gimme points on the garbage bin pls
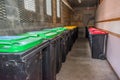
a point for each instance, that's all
(53, 37)
(61, 38)
(86, 32)
(63, 41)
(72, 35)
(98, 43)
(68, 41)
(49, 58)
(20, 58)
(64, 46)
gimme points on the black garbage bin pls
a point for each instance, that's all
(54, 40)
(64, 45)
(86, 32)
(68, 41)
(49, 61)
(75, 36)
(58, 53)
(98, 43)
(21, 59)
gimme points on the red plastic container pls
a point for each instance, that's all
(92, 29)
(96, 31)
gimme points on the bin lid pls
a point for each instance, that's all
(59, 30)
(10, 39)
(42, 34)
(48, 35)
(70, 27)
(35, 33)
(98, 32)
(92, 29)
(20, 45)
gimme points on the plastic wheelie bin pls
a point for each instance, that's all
(63, 41)
(67, 41)
(62, 45)
(98, 43)
(70, 28)
(20, 58)
(86, 32)
(54, 37)
(49, 60)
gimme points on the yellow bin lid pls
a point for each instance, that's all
(70, 27)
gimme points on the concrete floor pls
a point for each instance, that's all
(80, 66)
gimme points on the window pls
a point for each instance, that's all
(58, 8)
(29, 5)
(2, 10)
(49, 7)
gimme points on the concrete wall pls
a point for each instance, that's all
(108, 18)
(15, 19)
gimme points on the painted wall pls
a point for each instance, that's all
(113, 53)
(110, 9)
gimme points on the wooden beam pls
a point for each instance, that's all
(112, 33)
(67, 5)
(109, 20)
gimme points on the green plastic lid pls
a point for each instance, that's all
(43, 34)
(59, 30)
(48, 35)
(34, 33)
(20, 45)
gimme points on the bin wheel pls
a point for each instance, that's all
(102, 57)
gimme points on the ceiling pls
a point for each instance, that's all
(84, 3)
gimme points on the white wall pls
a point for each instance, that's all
(113, 53)
(110, 9)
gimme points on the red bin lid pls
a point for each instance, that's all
(92, 29)
(98, 32)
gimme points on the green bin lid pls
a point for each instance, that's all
(58, 30)
(48, 35)
(43, 34)
(20, 45)
(35, 33)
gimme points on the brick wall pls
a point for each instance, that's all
(66, 14)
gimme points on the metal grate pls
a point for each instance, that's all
(27, 15)
(2, 10)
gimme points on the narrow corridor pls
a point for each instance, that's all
(80, 66)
